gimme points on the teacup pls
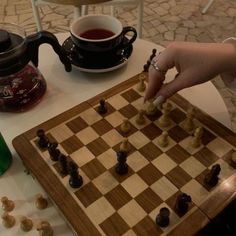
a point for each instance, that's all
(100, 33)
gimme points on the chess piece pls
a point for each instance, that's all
(151, 109)
(45, 229)
(163, 139)
(140, 119)
(75, 179)
(41, 202)
(26, 224)
(125, 146)
(165, 120)
(8, 221)
(211, 179)
(145, 68)
(188, 124)
(54, 152)
(182, 203)
(121, 167)
(63, 164)
(7, 205)
(125, 126)
(162, 218)
(196, 140)
(153, 54)
(42, 139)
(102, 109)
(141, 85)
(233, 160)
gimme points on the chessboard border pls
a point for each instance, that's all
(68, 206)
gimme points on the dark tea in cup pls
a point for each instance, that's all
(97, 34)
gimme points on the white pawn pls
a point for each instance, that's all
(141, 85)
(7, 205)
(188, 124)
(45, 229)
(140, 119)
(41, 202)
(196, 140)
(125, 146)
(151, 109)
(164, 120)
(125, 126)
(8, 221)
(26, 224)
(163, 140)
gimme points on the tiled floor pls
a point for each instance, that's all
(164, 21)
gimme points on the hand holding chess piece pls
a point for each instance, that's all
(41, 202)
(7, 205)
(211, 179)
(162, 218)
(196, 140)
(26, 224)
(45, 229)
(182, 203)
(8, 221)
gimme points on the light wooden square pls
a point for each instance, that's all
(87, 135)
(138, 104)
(138, 139)
(136, 161)
(108, 158)
(117, 101)
(186, 144)
(112, 137)
(219, 147)
(115, 118)
(129, 233)
(61, 133)
(91, 116)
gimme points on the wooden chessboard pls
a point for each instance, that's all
(110, 204)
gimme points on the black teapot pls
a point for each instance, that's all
(21, 83)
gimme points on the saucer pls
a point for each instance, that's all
(96, 62)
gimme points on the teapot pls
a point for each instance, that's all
(21, 83)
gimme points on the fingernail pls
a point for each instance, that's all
(159, 100)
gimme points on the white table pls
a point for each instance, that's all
(66, 90)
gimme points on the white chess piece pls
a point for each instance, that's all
(26, 224)
(196, 140)
(8, 221)
(140, 119)
(7, 205)
(188, 124)
(163, 140)
(41, 202)
(151, 108)
(125, 146)
(164, 120)
(141, 85)
(45, 229)
(125, 126)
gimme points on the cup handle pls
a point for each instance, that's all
(127, 29)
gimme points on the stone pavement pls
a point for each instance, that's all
(164, 21)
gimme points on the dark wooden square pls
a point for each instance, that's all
(72, 144)
(88, 194)
(130, 95)
(207, 137)
(77, 124)
(150, 151)
(128, 111)
(206, 157)
(151, 131)
(102, 126)
(98, 146)
(178, 154)
(177, 133)
(155, 116)
(177, 115)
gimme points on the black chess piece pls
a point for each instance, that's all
(211, 179)
(75, 179)
(145, 68)
(63, 164)
(162, 218)
(54, 152)
(102, 109)
(121, 166)
(43, 139)
(153, 54)
(182, 203)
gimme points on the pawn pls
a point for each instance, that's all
(54, 152)
(164, 120)
(102, 109)
(181, 205)
(141, 85)
(26, 224)
(188, 124)
(75, 179)
(163, 140)
(125, 126)
(125, 146)
(63, 164)
(45, 229)
(121, 167)
(140, 119)
(211, 179)
(8, 221)
(196, 140)
(162, 218)
(151, 109)
(41, 202)
(7, 205)
(43, 139)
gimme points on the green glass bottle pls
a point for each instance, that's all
(5, 156)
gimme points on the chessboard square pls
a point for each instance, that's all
(61, 133)
(105, 182)
(178, 154)
(117, 101)
(114, 225)
(118, 197)
(99, 210)
(219, 147)
(206, 157)
(186, 144)
(132, 213)
(137, 161)
(177, 133)
(207, 136)
(164, 163)
(102, 126)
(138, 103)
(87, 135)
(178, 176)
(134, 185)
(88, 194)
(118, 177)
(197, 192)
(82, 156)
(98, 146)
(93, 169)
(109, 107)
(128, 111)
(115, 118)
(164, 188)
(130, 233)
(147, 227)
(108, 158)
(151, 131)
(77, 124)
(171, 143)
(112, 138)
(90, 115)
(71, 144)
(150, 151)
(149, 174)
(177, 115)
(192, 166)
(148, 200)
(130, 95)
(138, 140)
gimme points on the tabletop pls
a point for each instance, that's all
(65, 90)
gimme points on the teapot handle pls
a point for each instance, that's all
(35, 40)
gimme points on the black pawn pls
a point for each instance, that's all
(182, 203)
(145, 68)
(121, 166)
(162, 218)
(75, 179)
(43, 139)
(63, 164)
(102, 109)
(54, 152)
(211, 179)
